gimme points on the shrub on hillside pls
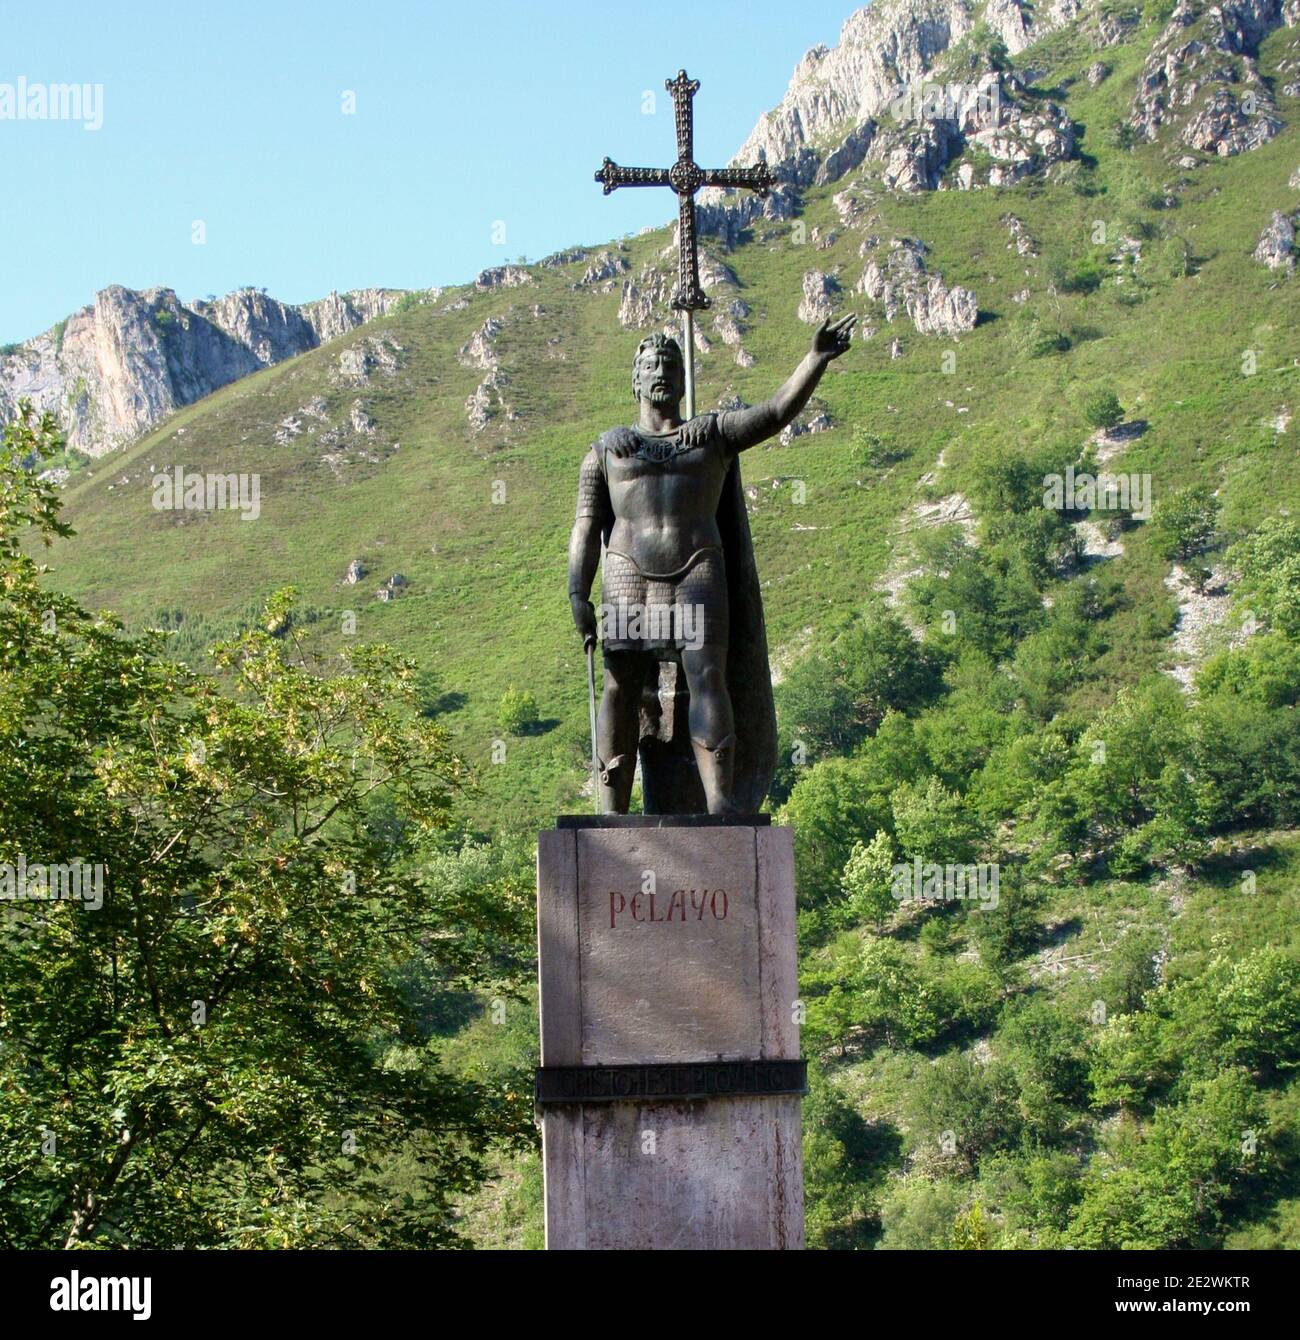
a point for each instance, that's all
(1184, 523)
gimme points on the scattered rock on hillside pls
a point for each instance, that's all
(1096, 72)
(1201, 615)
(360, 420)
(914, 159)
(851, 207)
(605, 266)
(810, 421)
(356, 571)
(289, 428)
(375, 354)
(503, 276)
(113, 370)
(1021, 240)
(953, 510)
(726, 325)
(488, 402)
(643, 299)
(479, 351)
(1022, 143)
(337, 313)
(392, 587)
(559, 258)
(1096, 543)
(901, 282)
(1112, 29)
(1107, 443)
(1276, 245)
(1225, 127)
(848, 155)
(939, 310)
(818, 302)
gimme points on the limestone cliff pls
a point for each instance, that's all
(117, 367)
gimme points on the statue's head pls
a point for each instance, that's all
(659, 372)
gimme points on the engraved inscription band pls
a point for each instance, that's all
(669, 1081)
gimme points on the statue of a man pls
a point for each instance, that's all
(665, 499)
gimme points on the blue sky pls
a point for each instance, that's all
(465, 114)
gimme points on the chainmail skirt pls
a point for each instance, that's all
(656, 612)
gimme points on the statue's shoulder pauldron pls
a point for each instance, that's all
(621, 441)
(699, 430)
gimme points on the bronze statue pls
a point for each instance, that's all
(679, 588)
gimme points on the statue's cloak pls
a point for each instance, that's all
(670, 782)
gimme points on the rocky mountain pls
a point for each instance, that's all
(1202, 75)
(925, 89)
(875, 96)
(117, 367)
(917, 96)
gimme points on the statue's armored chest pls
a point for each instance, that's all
(631, 455)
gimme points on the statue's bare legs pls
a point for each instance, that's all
(618, 726)
(710, 720)
(711, 723)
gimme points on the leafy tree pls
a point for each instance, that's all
(1046, 1047)
(1266, 670)
(1166, 1187)
(1184, 523)
(1269, 561)
(868, 881)
(920, 1214)
(838, 695)
(1133, 1057)
(1120, 762)
(936, 824)
(1245, 759)
(218, 1050)
(1131, 971)
(829, 805)
(964, 1109)
(972, 1231)
(986, 599)
(1033, 1194)
(1006, 933)
(845, 1161)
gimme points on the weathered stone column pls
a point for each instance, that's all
(670, 1078)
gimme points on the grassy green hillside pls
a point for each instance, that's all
(1037, 656)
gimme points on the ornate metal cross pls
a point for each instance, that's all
(685, 177)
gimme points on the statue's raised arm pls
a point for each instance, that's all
(744, 428)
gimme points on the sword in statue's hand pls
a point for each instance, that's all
(589, 643)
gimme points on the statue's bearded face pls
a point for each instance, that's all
(659, 376)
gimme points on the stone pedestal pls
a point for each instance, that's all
(670, 1079)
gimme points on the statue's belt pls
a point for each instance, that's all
(669, 576)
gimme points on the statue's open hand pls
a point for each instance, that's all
(584, 618)
(832, 338)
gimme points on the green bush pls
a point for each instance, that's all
(1184, 523)
(517, 713)
(1102, 409)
